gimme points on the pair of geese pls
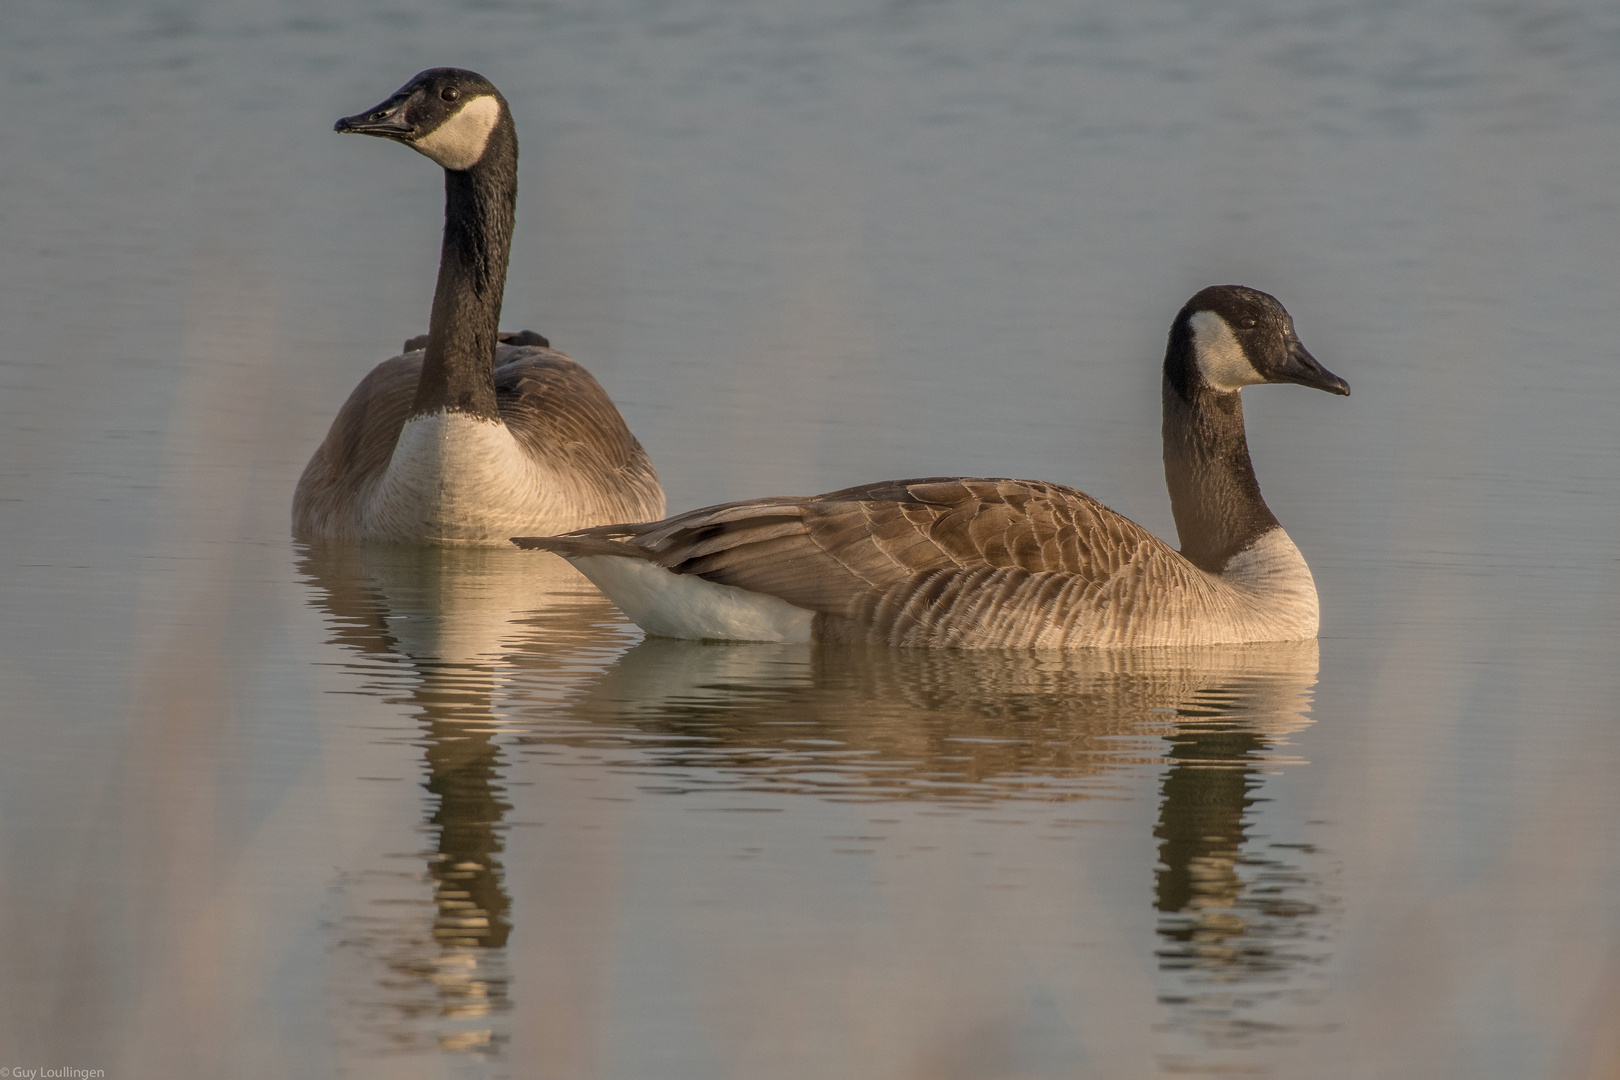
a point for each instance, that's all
(475, 436)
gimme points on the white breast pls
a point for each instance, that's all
(1273, 578)
(455, 478)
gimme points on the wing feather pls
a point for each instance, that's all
(559, 413)
(357, 448)
(939, 560)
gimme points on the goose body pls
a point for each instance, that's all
(470, 435)
(978, 563)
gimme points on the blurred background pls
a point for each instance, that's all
(269, 811)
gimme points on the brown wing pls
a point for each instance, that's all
(563, 418)
(356, 450)
(909, 561)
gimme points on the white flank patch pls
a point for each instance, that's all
(455, 478)
(459, 142)
(1221, 359)
(686, 606)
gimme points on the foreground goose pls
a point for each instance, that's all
(952, 561)
(477, 435)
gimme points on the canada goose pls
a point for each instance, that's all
(470, 435)
(953, 561)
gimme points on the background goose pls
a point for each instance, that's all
(953, 561)
(475, 435)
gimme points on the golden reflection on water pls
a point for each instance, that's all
(498, 656)
(442, 621)
(965, 727)
(1237, 920)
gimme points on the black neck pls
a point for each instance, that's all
(458, 371)
(1213, 493)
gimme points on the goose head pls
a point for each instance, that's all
(1228, 337)
(447, 114)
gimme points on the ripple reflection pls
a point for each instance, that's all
(954, 726)
(499, 659)
(1242, 919)
(435, 627)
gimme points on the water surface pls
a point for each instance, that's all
(268, 810)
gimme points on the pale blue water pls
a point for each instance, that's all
(269, 812)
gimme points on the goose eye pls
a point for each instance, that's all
(1246, 323)
(449, 93)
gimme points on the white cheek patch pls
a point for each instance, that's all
(1221, 360)
(459, 142)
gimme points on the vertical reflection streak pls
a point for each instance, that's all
(1234, 924)
(464, 770)
(470, 926)
(1240, 922)
(444, 623)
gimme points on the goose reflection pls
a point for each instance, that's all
(978, 728)
(439, 626)
(972, 726)
(1240, 920)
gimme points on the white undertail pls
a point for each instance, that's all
(686, 606)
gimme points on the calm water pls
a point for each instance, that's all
(267, 811)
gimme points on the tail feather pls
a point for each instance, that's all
(578, 546)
